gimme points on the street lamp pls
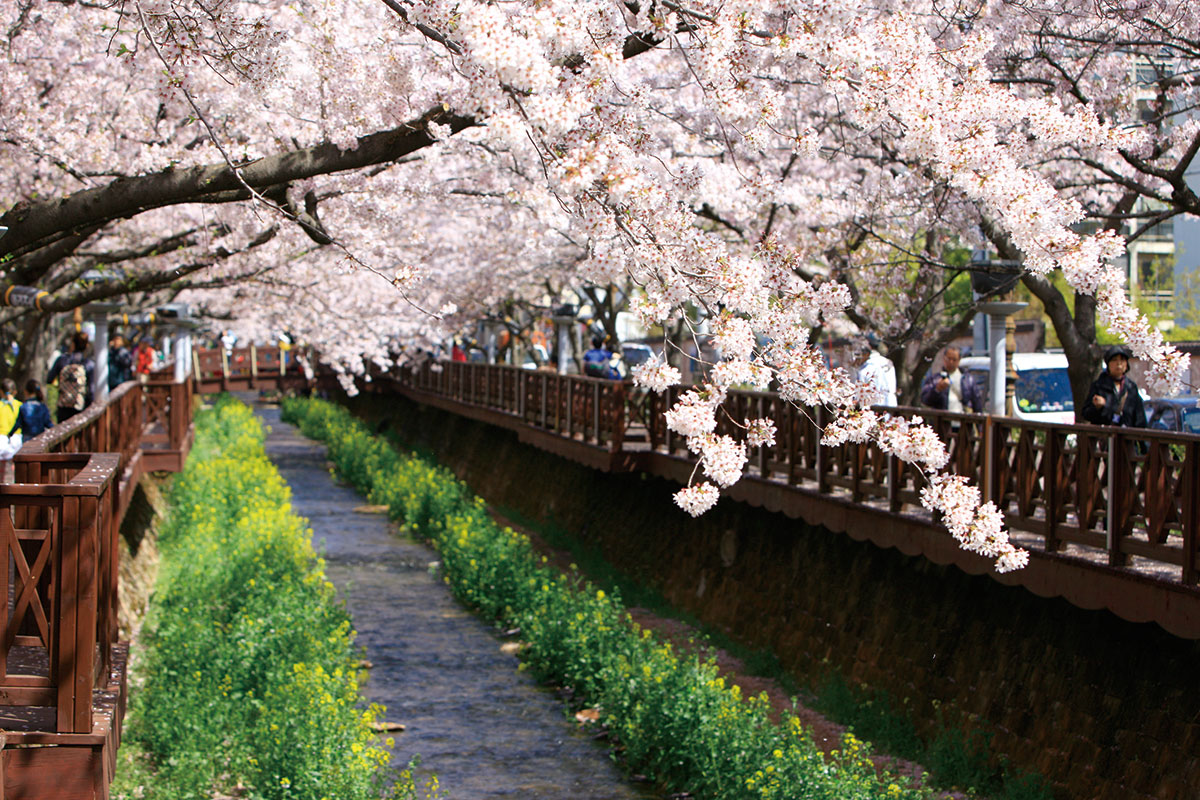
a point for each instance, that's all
(992, 279)
(564, 321)
(180, 317)
(98, 313)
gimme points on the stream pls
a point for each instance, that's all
(484, 728)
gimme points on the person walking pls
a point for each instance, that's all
(597, 362)
(875, 369)
(144, 358)
(1114, 398)
(73, 371)
(33, 416)
(951, 389)
(10, 410)
(120, 362)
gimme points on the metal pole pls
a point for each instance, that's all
(998, 352)
(564, 344)
(100, 357)
(489, 338)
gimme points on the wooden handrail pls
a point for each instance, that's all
(52, 438)
(1123, 491)
(60, 525)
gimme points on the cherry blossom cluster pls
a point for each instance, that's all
(977, 526)
(656, 374)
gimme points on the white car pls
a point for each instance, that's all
(1043, 390)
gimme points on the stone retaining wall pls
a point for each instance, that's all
(1104, 709)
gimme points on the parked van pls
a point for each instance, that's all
(1043, 390)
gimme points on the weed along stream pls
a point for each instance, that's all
(483, 727)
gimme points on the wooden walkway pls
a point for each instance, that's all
(62, 666)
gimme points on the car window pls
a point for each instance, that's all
(1044, 390)
(635, 356)
(1164, 419)
(1191, 420)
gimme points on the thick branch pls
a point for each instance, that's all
(66, 301)
(35, 225)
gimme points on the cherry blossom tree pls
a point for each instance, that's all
(380, 171)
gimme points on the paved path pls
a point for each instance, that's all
(486, 730)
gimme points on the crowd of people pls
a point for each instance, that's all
(72, 373)
(1113, 399)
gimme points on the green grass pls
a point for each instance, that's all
(250, 683)
(956, 759)
(590, 561)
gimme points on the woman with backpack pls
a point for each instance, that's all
(74, 374)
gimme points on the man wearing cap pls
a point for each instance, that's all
(1114, 398)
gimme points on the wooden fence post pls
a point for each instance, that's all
(822, 456)
(67, 624)
(595, 411)
(895, 475)
(1118, 500)
(620, 416)
(522, 389)
(1050, 459)
(570, 432)
(1191, 512)
(545, 391)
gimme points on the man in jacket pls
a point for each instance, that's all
(952, 389)
(120, 362)
(1114, 398)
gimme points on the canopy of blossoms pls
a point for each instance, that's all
(371, 174)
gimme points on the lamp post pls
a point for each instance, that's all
(98, 313)
(491, 330)
(564, 321)
(179, 315)
(995, 278)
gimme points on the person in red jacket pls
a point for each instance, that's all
(143, 358)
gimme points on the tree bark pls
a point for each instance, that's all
(34, 225)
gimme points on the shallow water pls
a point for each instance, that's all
(484, 728)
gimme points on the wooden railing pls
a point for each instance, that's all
(245, 368)
(167, 411)
(590, 410)
(1119, 491)
(60, 524)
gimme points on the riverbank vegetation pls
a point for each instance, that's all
(671, 715)
(250, 684)
(957, 760)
